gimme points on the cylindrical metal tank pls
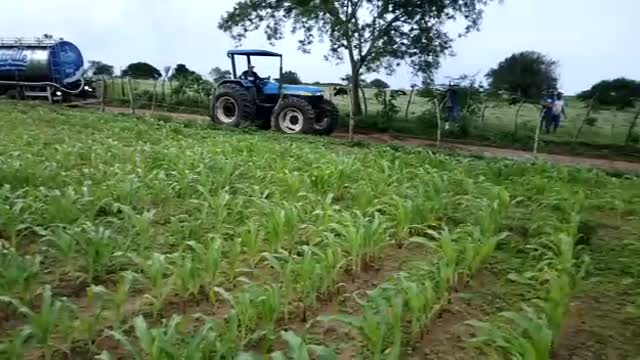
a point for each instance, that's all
(40, 61)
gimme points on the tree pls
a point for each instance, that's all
(378, 84)
(142, 70)
(98, 68)
(290, 77)
(181, 71)
(527, 74)
(620, 93)
(218, 74)
(374, 35)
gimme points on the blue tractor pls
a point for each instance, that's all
(248, 99)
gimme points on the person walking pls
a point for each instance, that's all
(557, 112)
(453, 106)
(547, 110)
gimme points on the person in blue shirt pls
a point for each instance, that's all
(453, 106)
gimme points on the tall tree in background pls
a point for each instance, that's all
(291, 78)
(379, 84)
(181, 71)
(142, 70)
(527, 74)
(217, 74)
(373, 35)
(620, 93)
(98, 68)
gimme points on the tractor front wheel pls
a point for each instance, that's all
(232, 106)
(327, 118)
(293, 116)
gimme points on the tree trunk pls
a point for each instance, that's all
(355, 86)
(406, 112)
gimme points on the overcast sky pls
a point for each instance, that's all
(591, 39)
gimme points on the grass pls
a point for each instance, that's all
(128, 237)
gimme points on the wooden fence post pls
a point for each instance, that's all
(350, 116)
(438, 135)
(103, 93)
(537, 138)
(406, 112)
(132, 107)
(153, 102)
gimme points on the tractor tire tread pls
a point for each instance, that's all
(246, 106)
(330, 110)
(303, 106)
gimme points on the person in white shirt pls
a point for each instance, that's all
(557, 112)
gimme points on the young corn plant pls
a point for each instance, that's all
(20, 274)
(517, 335)
(281, 225)
(297, 349)
(96, 248)
(379, 326)
(363, 238)
(245, 311)
(16, 213)
(54, 316)
(167, 341)
(286, 267)
(16, 345)
(155, 276)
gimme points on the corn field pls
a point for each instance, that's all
(131, 238)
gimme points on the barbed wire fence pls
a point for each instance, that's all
(144, 95)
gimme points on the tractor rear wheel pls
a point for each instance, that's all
(327, 118)
(293, 116)
(232, 106)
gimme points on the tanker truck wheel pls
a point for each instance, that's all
(327, 118)
(232, 106)
(293, 116)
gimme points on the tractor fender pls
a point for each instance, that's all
(244, 83)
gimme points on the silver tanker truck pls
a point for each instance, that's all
(41, 68)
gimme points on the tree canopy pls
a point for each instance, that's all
(181, 71)
(142, 70)
(379, 84)
(373, 35)
(98, 68)
(217, 74)
(290, 77)
(527, 74)
(620, 93)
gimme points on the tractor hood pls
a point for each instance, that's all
(300, 90)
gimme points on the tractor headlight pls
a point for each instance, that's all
(58, 93)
